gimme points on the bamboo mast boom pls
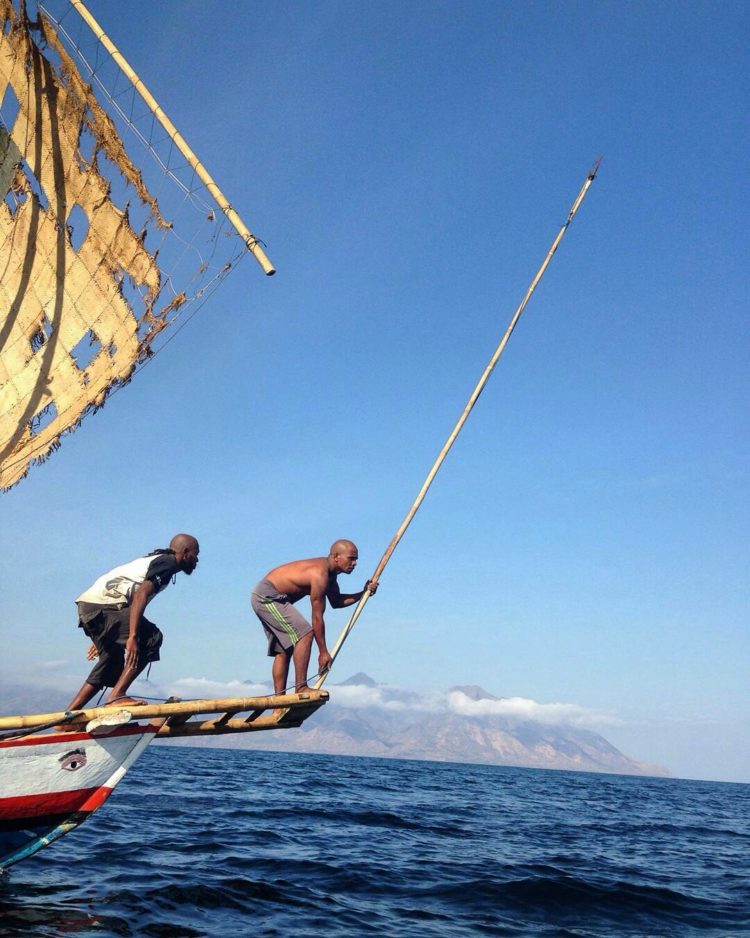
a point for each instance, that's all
(251, 242)
(462, 419)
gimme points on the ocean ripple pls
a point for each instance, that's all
(225, 843)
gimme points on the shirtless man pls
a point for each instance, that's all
(111, 613)
(289, 634)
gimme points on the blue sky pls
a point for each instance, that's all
(407, 165)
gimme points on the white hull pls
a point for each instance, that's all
(49, 784)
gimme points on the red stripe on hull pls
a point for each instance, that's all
(40, 740)
(63, 802)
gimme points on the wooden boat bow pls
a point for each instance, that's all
(207, 717)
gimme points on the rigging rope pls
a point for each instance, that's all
(111, 229)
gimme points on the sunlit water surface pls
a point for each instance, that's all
(238, 843)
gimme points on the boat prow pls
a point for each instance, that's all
(57, 769)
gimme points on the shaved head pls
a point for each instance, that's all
(343, 557)
(181, 541)
(342, 547)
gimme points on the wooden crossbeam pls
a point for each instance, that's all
(286, 719)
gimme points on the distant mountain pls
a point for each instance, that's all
(404, 726)
(16, 699)
(365, 718)
(360, 679)
(473, 692)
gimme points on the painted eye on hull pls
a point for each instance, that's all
(74, 760)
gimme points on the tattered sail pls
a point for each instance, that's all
(82, 296)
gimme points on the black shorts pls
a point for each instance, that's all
(109, 631)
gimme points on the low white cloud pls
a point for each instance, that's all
(386, 697)
(360, 696)
(395, 699)
(523, 708)
(192, 688)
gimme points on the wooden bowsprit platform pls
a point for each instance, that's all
(210, 717)
(242, 715)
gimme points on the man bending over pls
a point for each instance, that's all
(289, 634)
(111, 613)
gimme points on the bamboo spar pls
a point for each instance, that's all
(461, 420)
(177, 708)
(251, 242)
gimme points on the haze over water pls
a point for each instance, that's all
(201, 842)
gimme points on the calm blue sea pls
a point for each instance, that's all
(236, 843)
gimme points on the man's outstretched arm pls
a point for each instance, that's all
(339, 600)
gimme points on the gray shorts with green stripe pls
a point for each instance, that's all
(283, 625)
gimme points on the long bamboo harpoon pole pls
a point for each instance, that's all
(251, 242)
(461, 420)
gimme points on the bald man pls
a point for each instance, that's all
(289, 634)
(111, 613)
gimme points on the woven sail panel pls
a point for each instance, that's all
(68, 334)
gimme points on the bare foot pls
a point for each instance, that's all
(125, 702)
(303, 689)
